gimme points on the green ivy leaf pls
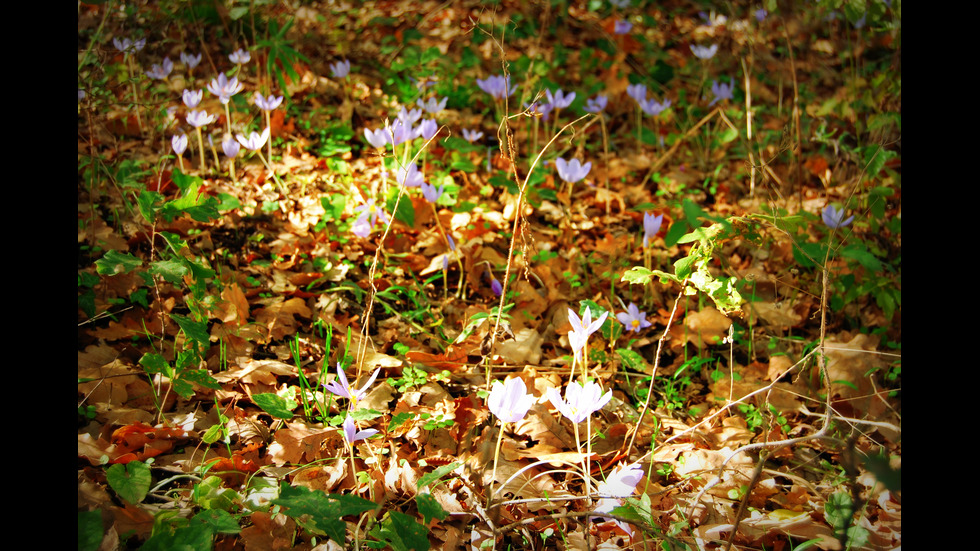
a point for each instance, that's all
(131, 481)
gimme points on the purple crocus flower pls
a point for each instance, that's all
(637, 91)
(472, 135)
(572, 171)
(432, 106)
(721, 90)
(651, 225)
(269, 103)
(582, 328)
(760, 14)
(497, 86)
(544, 109)
(431, 193)
(622, 27)
(340, 69)
(596, 104)
(128, 46)
(230, 147)
(704, 52)
(633, 319)
(341, 386)
(835, 218)
(200, 118)
(400, 132)
(240, 56)
(372, 212)
(620, 483)
(496, 286)
(361, 227)
(351, 434)
(161, 70)
(560, 100)
(653, 108)
(190, 59)
(224, 88)
(427, 129)
(179, 143)
(192, 98)
(378, 138)
(509, 401)
(409, 176)
(580, 401)
(254, 141)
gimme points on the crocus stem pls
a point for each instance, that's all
(496, 458)
(180, 159)
(228, 118)
(585, 462)
(605, 159)
(445, 235)
(282, 187)
(268, 124)
(136, 98)
(231, 170)
(200, 142)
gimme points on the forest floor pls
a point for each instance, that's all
(735, 225)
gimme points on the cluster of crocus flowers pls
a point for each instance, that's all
(580, 401)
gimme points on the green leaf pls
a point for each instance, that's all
(200, 377)
(131, 481)
(172, 271)
(675, 232)
(326, 511)
(632, 360)
(149, 203)
(193, 537)
(218, 521)
(196, 331)
(154, 363)
(684, 267)
(429, 508)
(429, 478)
(405, 211)
(402, 532)
(89, 530)
(274, 405)
(115, 262)
(880, 466)
(638, 275)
